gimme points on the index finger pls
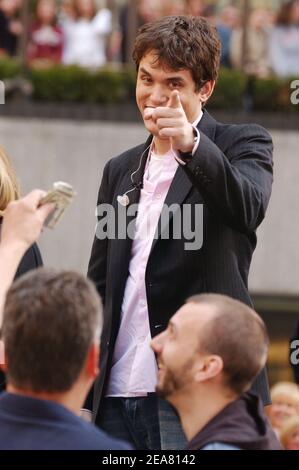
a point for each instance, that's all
(163, 112)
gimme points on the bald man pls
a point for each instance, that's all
(208, 357)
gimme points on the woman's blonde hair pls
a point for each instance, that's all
(288, 428)
(289, 389)
(9, 187)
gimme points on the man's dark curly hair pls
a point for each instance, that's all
(181, 42)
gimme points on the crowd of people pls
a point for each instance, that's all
(78, 32)
(39, 388)
(49, 370)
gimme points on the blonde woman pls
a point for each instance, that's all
(285, 404)
(9, 191)
(289, 434)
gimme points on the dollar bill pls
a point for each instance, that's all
(61, 195)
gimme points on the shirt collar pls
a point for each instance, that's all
(197, 121)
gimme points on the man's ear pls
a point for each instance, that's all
(92, 361)
(208, 368)
(206, 91)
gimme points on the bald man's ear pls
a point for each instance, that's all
(208, 367)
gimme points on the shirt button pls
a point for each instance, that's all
(158, 196)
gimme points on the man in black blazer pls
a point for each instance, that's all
(221, 174)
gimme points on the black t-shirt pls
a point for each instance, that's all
(8, 40)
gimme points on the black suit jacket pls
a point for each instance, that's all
(231, 175)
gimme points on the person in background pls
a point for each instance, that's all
(173, 7)
(46, 38)
(284, 41)
(51, 328)
(230, 17)
(66, 21)
(206, 369)
(86, 35)
(227, 21)
(196, 7)
(10, 27)
(21, 226)
(9, 191)
(257, 62)
(285, 404)
(147, 11)
(67, 11)
(289, 434)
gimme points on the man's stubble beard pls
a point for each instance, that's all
(172, 383)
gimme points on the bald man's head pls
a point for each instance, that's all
(211, 337)
(237, 334)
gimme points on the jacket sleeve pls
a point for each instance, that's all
(98, 259)
(236, 187)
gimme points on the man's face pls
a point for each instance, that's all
(177, 350)
(46, 11)
(155, 84)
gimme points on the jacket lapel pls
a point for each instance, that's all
(207, 125)
(125, 217)
(179, 189)
(181, 184)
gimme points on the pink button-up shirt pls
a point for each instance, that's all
(134, 367)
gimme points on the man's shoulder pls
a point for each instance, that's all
(228, 134)
(74, 433)
(234, 137)
(41, 434)
(90, 437)
(239, 130)
(36, 424)
(235, 140)
(220, 446)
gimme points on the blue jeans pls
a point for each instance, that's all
(171, 432)
(147, 423)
